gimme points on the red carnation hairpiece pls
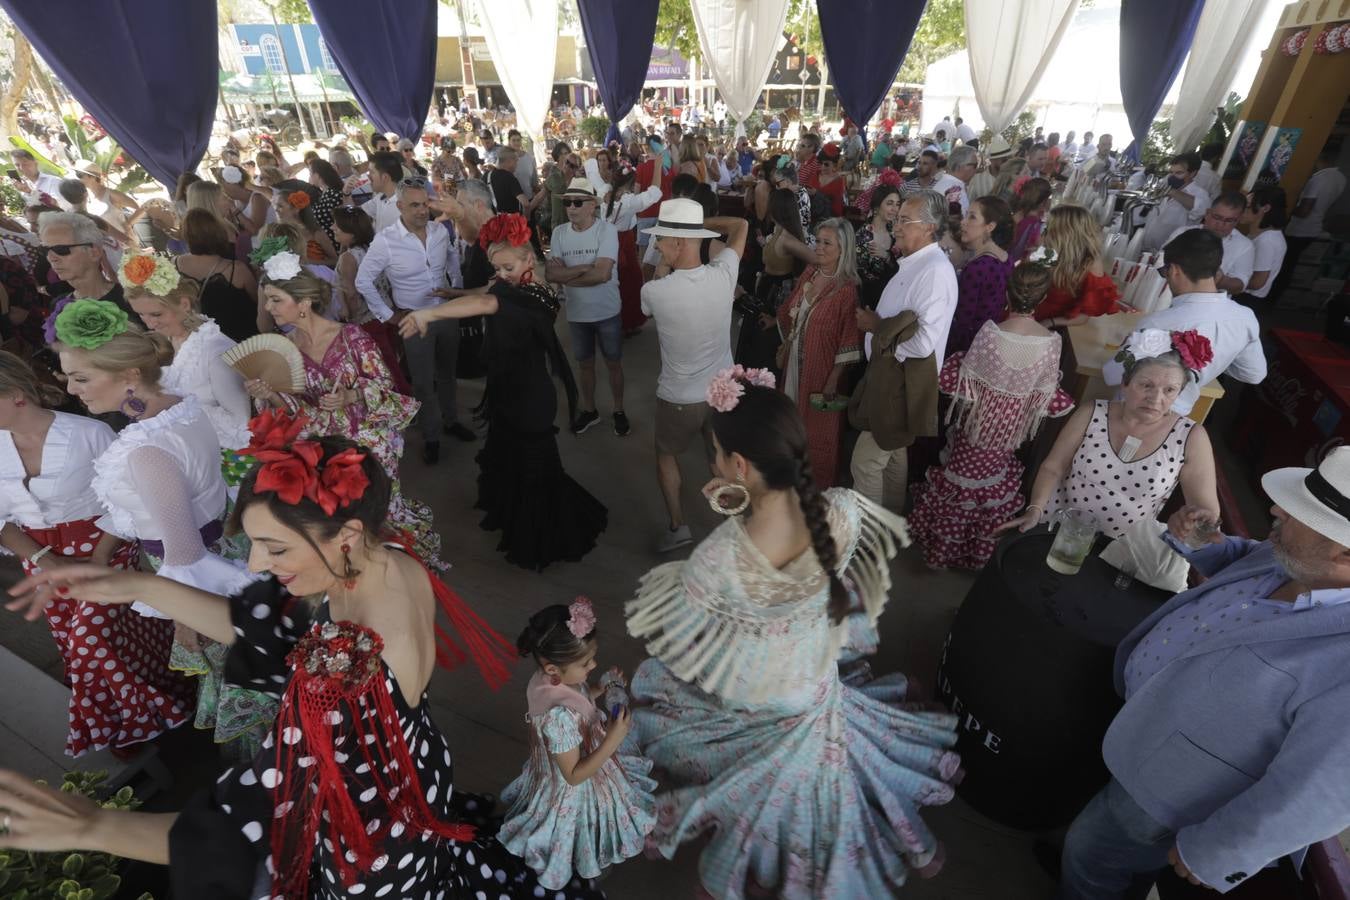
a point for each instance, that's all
(291, 468)
(510, 228)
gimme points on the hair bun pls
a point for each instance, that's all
(163, 348)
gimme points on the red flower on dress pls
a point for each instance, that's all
(1193, 348)
(511, 228)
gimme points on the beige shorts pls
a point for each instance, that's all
(678, 424)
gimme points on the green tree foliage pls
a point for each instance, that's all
(291, 12)
(941, 32)
(675, 27)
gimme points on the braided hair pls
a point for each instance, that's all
(767, 430)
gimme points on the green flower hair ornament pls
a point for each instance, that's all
(268, 248)
(89, 324)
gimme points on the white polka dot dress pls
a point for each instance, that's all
(221, 846)
(1119, 494)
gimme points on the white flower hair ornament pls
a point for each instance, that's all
(282, 266)
(728, 386)
(1043, 256)
(152, 272)
(232, 174)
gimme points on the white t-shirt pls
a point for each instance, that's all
(1323, 188)
(692, 309)
(1170, 215)
(1268, 249)
(593, 303)
(1208, 179)
(954, 189)
(525, 173)
(965, 132)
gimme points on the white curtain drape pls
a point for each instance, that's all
(1010, 44)
(522, 36)
(1221, 39)
(739, 40)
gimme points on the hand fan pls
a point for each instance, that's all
(269, 358)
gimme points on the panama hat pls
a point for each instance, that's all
(680, 218)
(85, 167)
(1319, 498)
(998, 147)
(580, 189)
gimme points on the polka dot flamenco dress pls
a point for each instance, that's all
(222, 845)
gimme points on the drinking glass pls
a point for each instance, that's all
(1073, 541)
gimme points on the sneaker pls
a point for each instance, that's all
(674, 539)
(456, 430)
(584, 421)
(621, 426)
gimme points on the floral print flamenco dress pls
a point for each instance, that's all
(807, 786)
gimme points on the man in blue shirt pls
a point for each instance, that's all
(1233, 746)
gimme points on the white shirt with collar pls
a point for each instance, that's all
(383, 211)
(925, 283)
(1239, 254)
(1170, 215)
(1234, 336)
(414, 268)
(60, 491)
(1208, 179)
(1069, 151)
(1087, 153)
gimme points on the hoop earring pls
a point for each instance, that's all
(349, 573)
(726, 492)
(132, 407)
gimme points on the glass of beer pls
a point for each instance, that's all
(1073, 541)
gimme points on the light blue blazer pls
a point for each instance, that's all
(1242, 744)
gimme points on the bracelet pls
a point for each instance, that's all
(1031, 506)
(43, 551)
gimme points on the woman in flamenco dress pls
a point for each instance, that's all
(351, 795)
(543, 514)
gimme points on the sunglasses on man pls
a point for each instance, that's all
(576, 203)
(62, 249)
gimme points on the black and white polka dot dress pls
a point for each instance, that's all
(220, 845)
(1119, 494)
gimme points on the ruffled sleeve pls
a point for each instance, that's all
(1098, 296)
(1061, 404)
(268, 622)
(560, 730)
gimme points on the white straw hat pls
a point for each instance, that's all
(680, 218)
(579, 189)
(1319, 498)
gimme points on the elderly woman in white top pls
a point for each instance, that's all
(115, 659)
(160, 482)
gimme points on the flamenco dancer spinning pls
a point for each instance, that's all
(116, 660)
(159, 481)
(810, 786)
(544, 515)
(351, 794)
(348, 388)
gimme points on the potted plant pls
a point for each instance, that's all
(67, 876)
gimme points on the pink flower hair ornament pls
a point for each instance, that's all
(581, 618)
(728, 386)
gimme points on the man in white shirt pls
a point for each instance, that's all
(1069, 152)
(997, 152)
(926, 284)
(692, 310)
(490, 147)
(964, 131)
(417, 257)
(929, 176)
(30, 178)
(1088, 151)
(961, 167)
(525, 166)
(1320, 193)
(1038, 159)
(1184, 204)
(583, 259)
(386, 171)
(1208, 175)
(1264, 219)
(1101, 164)
(719, 115)
(1190, 262)
(1239, 256)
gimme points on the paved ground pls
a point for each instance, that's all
(486, 729)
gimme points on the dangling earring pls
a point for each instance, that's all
(730, 499)
(527, 277)
(554, 680)
(132, 407)
(349, 574)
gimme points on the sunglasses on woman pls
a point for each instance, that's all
(62, 249)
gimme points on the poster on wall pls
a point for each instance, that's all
(1282, 150)
(1248, 142)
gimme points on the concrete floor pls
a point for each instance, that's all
(487, 731)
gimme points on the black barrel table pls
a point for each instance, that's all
(1027, 667)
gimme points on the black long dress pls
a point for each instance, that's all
(219, 845)
(543, 514)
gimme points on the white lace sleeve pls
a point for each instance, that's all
(160, 481)
(227, 386)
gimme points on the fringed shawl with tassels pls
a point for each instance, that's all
(730, 622)
(1004, 386)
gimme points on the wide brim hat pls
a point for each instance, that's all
(680, 218)
(85, 167)
(997, 147)
(1319, 498)
(580, 189)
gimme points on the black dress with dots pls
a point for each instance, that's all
(219, 847)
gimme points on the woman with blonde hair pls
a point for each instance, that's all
(820, 341)
(47, 512)
(159, 482)
(208, 196)
(1080, 287)
(1008, 175)
(691, 159)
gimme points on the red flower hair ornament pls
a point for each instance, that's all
(509, 228)
(1193, 348)
(292, 468)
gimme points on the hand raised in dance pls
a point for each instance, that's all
(85, 583)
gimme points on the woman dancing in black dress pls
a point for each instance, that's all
(544, 515)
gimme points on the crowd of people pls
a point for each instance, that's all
(205, 403)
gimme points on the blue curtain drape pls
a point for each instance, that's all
(619, 35)
(147, 70)
(865, 43)
(386, 50)
(1155, 36)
